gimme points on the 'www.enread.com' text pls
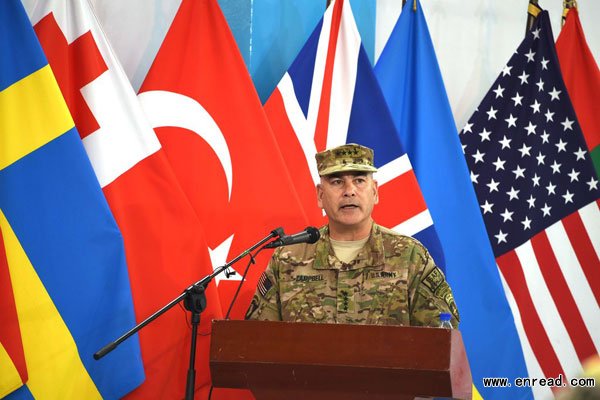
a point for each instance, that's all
(559, 381)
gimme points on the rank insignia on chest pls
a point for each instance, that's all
(345, 301)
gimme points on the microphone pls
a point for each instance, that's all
(309, 235)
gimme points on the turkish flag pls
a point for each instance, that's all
(164, 243)
(208, 117)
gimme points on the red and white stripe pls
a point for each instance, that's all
(552, 283)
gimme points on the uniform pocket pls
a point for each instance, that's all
(303, 298)
(385, 294)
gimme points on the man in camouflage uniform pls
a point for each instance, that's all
(357, 272)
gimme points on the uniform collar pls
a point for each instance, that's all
(371, 255)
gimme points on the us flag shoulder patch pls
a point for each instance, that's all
(264, 284)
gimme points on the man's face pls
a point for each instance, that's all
(348, 199)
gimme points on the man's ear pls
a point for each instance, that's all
(319, 195)
(376, 189)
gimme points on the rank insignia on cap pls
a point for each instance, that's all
(349, 157)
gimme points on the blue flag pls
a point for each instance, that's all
(64, 250)
(412, 84)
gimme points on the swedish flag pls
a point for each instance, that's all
(64, 250)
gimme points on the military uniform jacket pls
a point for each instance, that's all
(392, 281)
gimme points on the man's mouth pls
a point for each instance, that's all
(348, 206)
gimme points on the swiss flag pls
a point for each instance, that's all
(164, 241)
(208, 117)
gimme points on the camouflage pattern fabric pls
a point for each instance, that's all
(392, 281)
(349, 157)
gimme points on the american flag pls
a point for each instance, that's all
(538, 193)
(329, 97)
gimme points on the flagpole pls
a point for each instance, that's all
(533, 10)
(414, 4)
(567, 5)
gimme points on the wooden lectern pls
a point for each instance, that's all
(286, 360)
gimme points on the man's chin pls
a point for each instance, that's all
(350, 221)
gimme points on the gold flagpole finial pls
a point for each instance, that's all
(567, 5)
(533, 10)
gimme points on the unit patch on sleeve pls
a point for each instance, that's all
(433, 279)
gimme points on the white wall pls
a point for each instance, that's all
(473, 38)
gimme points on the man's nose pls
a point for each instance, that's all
(349, 189)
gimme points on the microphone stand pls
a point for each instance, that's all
(194, 300)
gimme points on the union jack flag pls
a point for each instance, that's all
(538, 194)
(329, 97)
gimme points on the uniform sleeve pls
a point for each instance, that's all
(432, 294)
(265, 305)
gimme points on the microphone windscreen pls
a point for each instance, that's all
(313, 234)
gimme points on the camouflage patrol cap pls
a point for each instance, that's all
(345, 158)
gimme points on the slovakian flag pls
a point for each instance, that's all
(582, 78)
(13, 370)
(164, 242)
(64, 250)
(412, 84)
(199, 97)
(328, 97)
(538, 194)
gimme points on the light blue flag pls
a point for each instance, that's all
(270, 33)
(412, 84)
